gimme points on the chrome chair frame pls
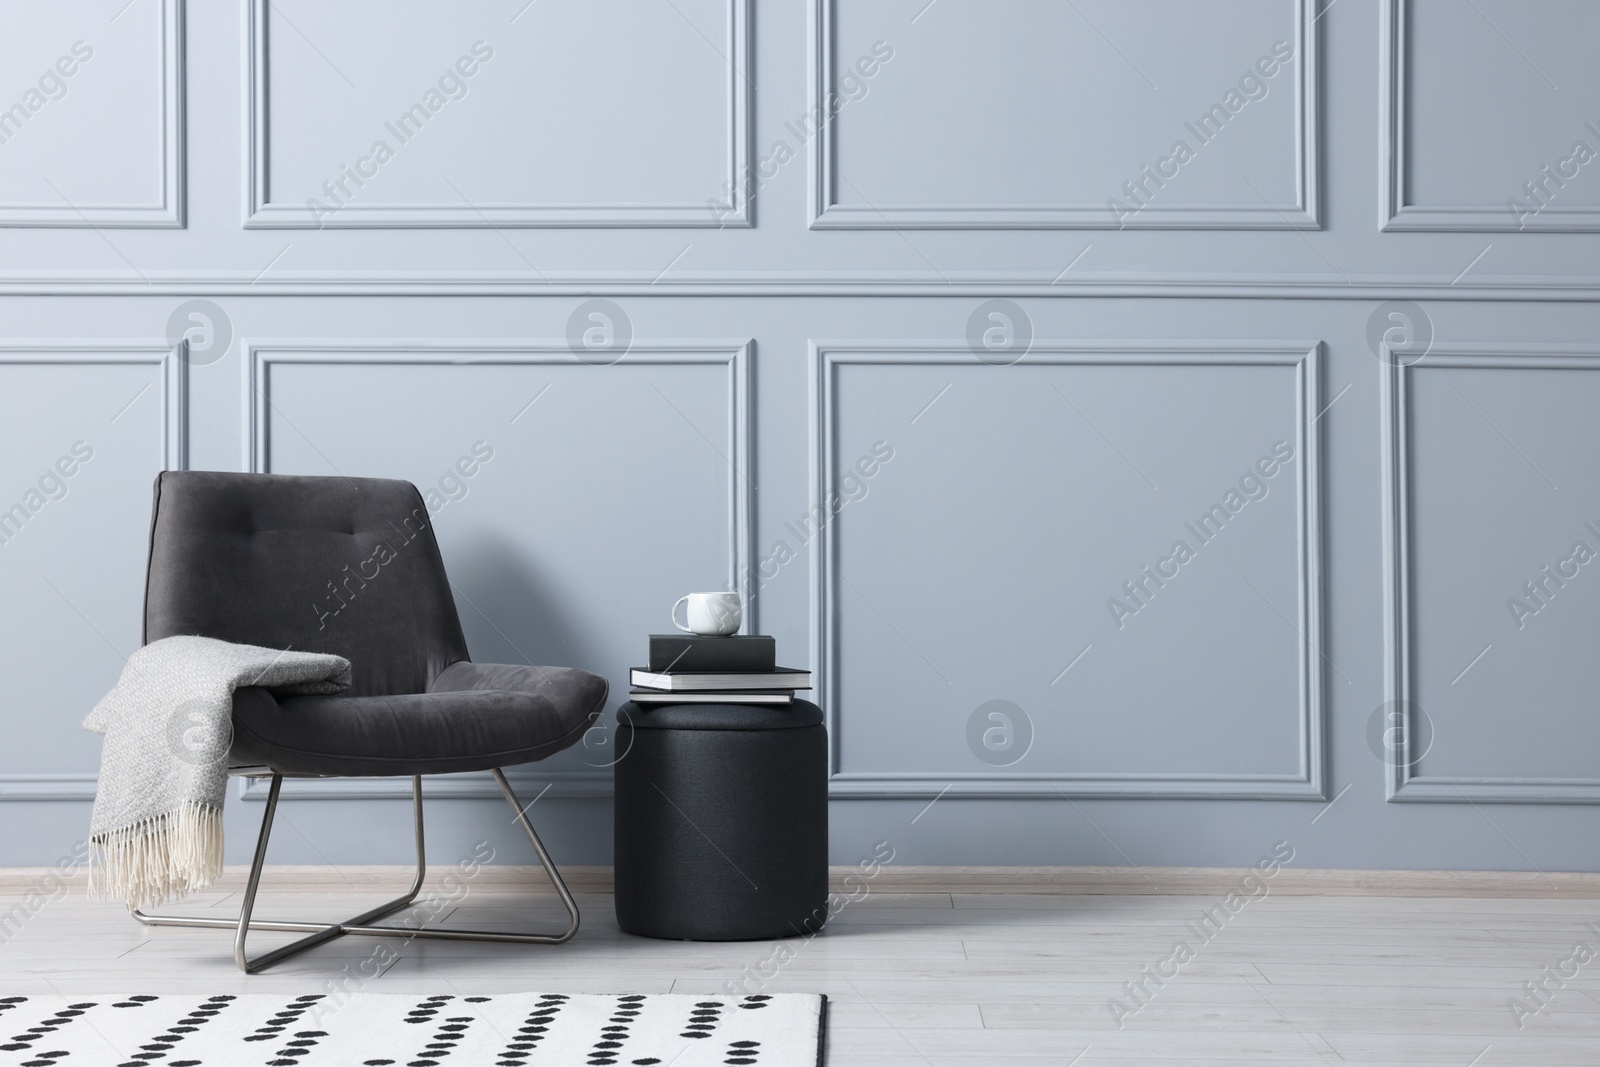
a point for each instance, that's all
(363, 924)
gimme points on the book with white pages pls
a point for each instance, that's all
(778, 678)
(656, 696)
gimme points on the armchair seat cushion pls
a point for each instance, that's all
(475, 716)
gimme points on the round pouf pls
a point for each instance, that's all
(721, 820)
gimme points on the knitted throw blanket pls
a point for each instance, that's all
(156, 831)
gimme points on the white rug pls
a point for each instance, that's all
(382, 1029)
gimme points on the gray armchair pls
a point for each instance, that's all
(349, 566)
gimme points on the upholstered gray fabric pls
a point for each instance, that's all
(412, 733)
(341, 565)
(348, 566)
(573, 693)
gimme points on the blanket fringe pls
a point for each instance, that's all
(158, 859)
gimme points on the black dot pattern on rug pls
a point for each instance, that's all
(703, 1019)
(532, 1031)
(620, 1032)
(742, 1053)
(612, 1037)
(300, 1044)
(34, 1034)
(281, 1021)
(164, 1042)
(445, 1040)
(427, 1009)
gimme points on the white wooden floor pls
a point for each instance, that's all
(948, 980)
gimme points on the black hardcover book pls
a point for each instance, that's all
(686, 653)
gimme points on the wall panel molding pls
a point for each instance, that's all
(262, 213)
(168, 213)
(1306, 782)
(1304, 214)
(1402, 784)
(1567, 289)
(528, 783)
(1395, 214)
(173, 364)
(262, 355)
(63, 786)
(80, 785)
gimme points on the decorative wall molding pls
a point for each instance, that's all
(169, 212)
(1402, 781)
(528, 783)
(66, 785)
(1307, 782)
(79, 785)
(260, 212)
(1395, 214)
(261, 356)
(1564, 289)
(171, 361)
(1304, 214)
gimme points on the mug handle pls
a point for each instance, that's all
(674, 614)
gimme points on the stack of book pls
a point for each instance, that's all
(688, 669)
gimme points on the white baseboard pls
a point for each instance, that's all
(1208, 881)
(1031, 881)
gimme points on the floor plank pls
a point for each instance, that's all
(939, 979)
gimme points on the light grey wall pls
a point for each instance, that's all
(805, 315)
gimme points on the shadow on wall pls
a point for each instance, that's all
(510, 614)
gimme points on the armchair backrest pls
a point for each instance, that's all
(318, 564)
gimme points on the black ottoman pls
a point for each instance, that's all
(721, 820)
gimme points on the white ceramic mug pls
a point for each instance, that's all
(709, 614)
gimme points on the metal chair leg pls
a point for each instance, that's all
(363, 925)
